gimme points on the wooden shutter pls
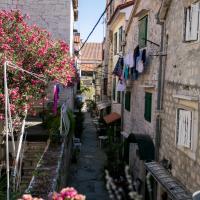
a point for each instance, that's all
(184, 128)
(128, 101)
(143, 31)
(148, 106)
(187, 24)
(194, 21)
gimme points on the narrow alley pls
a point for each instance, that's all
(87, 176)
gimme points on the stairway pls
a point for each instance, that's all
(32, 154)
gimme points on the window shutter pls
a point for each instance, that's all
(194, 21)
(187, 24)
(143, 31)
(148, 106)
(184, 128)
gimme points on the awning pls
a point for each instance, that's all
(103, 104)
(174, 189)
(112, 117)
(145, 145)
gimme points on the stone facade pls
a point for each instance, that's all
(55, 16)
(181, 90)
(117, 17)
(134, 121)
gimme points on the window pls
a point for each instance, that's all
(191, 32)
(120, 38)
(114, 89)
(148, 106)
(184, 127)
(118, 96)
(115, 43)
(143, 32)
(128, 101)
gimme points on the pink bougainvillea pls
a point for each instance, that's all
(32, 49)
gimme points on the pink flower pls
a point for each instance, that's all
(68, 192)
(79, 197)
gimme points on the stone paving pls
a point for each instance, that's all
(87, 175)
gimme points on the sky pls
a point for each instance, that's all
(89, 13)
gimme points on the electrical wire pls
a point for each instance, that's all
(96, 24)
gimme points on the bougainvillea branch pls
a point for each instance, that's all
(32, 49)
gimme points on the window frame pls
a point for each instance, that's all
(190, 152)
(115, 43)
(147, 112)
(141, 45)
(186, 37)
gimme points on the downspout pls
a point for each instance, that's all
(160, 93)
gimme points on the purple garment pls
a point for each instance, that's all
(56, 98)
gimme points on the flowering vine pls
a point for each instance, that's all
(32, 49)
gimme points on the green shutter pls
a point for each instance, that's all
(148, 106)
(118, 96)
(114, 88)
(143, 31)
(128, 101)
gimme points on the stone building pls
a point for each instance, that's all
(90, 59)
(179, 145)
(55, 16)
(139, 116)
(117, 17)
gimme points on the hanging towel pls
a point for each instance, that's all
(56, 98)
(121, 86)
(126, 59)
(140, 66)
(126, 72)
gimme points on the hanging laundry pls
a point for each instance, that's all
(135, 55)
(121, 86)
(134, 74)
(140, 66)
(126, 59)
(56, 98)
(131, 60)
(144, 56)
(118, 71)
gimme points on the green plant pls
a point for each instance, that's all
(13, 195)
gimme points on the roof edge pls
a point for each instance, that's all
(120, 7)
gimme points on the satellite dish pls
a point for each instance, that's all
(196, 195)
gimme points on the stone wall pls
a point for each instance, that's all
(182, 90)
(54, 15)
(185, 162)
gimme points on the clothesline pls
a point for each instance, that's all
(9, 123)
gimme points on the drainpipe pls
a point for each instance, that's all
(160, 93)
